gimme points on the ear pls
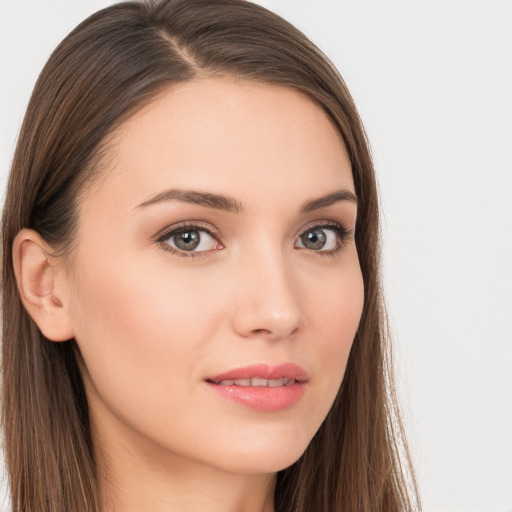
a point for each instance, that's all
(42, 284)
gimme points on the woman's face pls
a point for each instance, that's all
(217, 247)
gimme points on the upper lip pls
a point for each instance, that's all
(265, 371)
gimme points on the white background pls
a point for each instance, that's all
(433, 83)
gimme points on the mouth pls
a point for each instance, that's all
(262, 387)
(257, 382)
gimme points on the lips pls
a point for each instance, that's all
(262, 387)
(258, 382)
(263, 371)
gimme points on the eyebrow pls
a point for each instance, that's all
(328, 200)
(206, 199)
(220, 202)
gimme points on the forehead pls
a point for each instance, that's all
(249, 140)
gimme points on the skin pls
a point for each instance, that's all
(152, 325)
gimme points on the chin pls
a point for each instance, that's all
(258, 465)
(266, 454)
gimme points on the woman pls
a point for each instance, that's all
(192, 308)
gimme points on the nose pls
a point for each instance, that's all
(266, 302)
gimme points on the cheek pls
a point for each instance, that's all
(335, 301)
(140, 334)
(334, 314)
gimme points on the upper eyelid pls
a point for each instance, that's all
(198, 225)
(322, 223)
(339, 226)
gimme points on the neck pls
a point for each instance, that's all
(148, 489)
(138, 476)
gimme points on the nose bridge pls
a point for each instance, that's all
(267, 302)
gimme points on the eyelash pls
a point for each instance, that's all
(343, 235)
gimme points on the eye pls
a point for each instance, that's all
(325, 238)
(189, 239)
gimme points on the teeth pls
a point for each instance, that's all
(258, 382)
(242, 382)
(274, 383)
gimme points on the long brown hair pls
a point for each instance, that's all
(112, 64)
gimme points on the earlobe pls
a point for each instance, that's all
(42, 285)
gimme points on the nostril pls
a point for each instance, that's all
(272, 334)
(262, 332)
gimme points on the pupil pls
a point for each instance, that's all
(314, 239)
(187, 240)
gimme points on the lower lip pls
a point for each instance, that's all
(262, 398)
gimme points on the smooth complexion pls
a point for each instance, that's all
(170, 284)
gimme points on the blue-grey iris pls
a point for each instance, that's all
(313, 239)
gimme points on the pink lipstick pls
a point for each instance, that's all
(262, 387)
